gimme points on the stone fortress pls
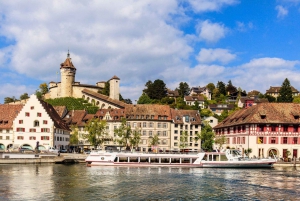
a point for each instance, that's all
(68, 87)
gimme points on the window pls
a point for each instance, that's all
(150, 125)
(273, 128)
(165, 125)
(152, 116)
(150, 133)
(175, 143)
(27, 114)
(144, 133)
(32, 107)
(134, 124)
(295, 129)
(260, 140)
(39, 114)
(20, 121)
(196, 126)
(164, 133)
(158, 133)
(176, 125)
(186, 127)
(285, 128)
(20, 137)
(175, 131)
(32, 130)
(295, 140)
(273, 140)
(175, 138)
(36, 123)
(20, 129)
(284, 140)
(191, 132)
(7, 138)
(32, 138)
(45, 130)
(158, 125)
(45, 137)
(144, 124)
(0, 137)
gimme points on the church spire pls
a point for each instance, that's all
(68, 55)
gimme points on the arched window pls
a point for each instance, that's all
(36, 123)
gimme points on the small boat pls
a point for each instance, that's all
(226, 159)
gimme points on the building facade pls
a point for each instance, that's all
(265, 128)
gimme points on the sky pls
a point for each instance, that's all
(253, 43)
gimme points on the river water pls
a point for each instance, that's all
(78, 182)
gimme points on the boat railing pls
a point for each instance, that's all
(143, 152)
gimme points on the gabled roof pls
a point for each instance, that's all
(114, 78)
(279, 113)
(58, 122)
(75, 117)
(8, 113)
(171, 93)
(177, 116)
(198, 89)
(104, 98)
(60, 110)
(148, 109)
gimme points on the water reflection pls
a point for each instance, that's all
(78, 182)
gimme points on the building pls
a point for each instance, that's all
(200, 90)
(37, 123)
(274, 91)
(212, 121)
(147, 119)
(245, 102)
(191, 100)
(68, 87)
(266, 128)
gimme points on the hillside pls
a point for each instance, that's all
(74, 104)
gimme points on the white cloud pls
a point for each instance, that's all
(211, 55)
(268, 62)
(211, 32)
(281, 11)
(210, 5)
(241, 26)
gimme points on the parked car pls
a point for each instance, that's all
(53, 150)
(63, 151)
(87, 151)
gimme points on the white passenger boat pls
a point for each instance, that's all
(228, 158)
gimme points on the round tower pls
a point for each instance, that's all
(67, 77)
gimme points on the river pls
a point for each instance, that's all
(78, 182)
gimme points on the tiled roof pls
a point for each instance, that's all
(177, 116)
(148, 109)
(194, 98)
(67, 64)
(172, 93)
(283, 113)
(58, 122)
(104, 98)
(60, 110)
(8, 113)
(198, 89)
(75, 117)
(115, 77)
(277, 89)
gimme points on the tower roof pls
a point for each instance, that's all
(114, 78)
(68, 62)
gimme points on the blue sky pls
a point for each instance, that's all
(253, 43)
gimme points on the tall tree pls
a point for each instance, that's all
(183, 89)
(136, 138)
(9, 99)
(221, 87)
(105, 91)
(207, 137)
(74, 137)
(43, 88)
(97, 133)
(220, 140)
(230, 88)
(285, 92)
(156, 90)
(24, 96)
(154, 141)
(124, 134)
(211, 87)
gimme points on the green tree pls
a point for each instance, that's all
(296, 99)
(183, 140)
(221, 87)
(9, 99)
(156, 90)
(270, 98)
(285, 92)
(144, 99)
(230, 88)
(211, 87)
(216, 94)
(220, 140)
(43, 88)
(74, 138)
(105, 91)
(248, 151)
(206, 113)
(183, 89)
(97, 133)
(167, 101)
(154, 140)
(207, 137)
(223, 115)
(24, 96)
(136, 138)
(124, 134)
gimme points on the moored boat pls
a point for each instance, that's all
(227, 159)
